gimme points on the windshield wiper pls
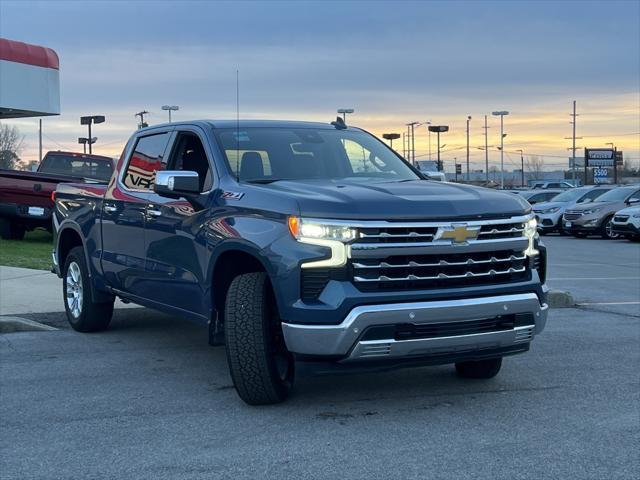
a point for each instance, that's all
(266, 180)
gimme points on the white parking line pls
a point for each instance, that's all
(595, 278)
(608, 303)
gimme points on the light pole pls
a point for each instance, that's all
(468, 174)
(427, 124)
(84, 141)
(89, 120)
(391, 137)
(438, 129)
(501, 114)
(615, 163)
(344, 112)
(170, 108)
(521, 165)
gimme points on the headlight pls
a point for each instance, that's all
(313, 229)
(590, 211)
(531, 232)
(325, 234)
(636, 215)
(552, 210)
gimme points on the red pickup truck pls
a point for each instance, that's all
(26, 197)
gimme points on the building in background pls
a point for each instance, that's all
(29, 80)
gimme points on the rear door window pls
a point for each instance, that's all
(145, 161)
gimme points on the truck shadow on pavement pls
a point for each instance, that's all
(168, 347)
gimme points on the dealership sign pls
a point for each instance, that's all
(599, 157)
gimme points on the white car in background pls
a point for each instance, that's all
(549, 214)
(626, 222)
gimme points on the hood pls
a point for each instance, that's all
(415, 199)
(538, 207)
(629, 211)
(593, 205)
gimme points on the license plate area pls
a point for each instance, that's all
(36, 211)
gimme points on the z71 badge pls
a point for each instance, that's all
(232, 195)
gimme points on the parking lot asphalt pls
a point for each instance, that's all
(150, 399)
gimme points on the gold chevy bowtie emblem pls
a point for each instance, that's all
(457, 233)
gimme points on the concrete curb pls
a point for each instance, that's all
(10, 324)
(560, 299)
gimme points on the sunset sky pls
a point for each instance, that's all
(393, 62)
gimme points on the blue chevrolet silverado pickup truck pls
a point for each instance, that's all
(299, 241)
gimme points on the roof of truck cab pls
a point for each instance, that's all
(252, 124)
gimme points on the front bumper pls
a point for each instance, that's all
(625, 228)
(549, 222)
(346, 342)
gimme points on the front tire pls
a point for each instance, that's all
(607, 229)
(83, 314)
(261, 367)
(482, 369)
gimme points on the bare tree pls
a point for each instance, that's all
(534, 166)
(11, 143)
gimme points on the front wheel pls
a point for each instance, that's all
(479, 369)
(83, 314)
(607, 229)
(261, 367)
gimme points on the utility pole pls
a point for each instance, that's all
(468, 174)
(404, 146)
(486, 150)
(573, 147)
(40, 142)
(142, 123)
(615, 163)
(412, 138)
(521, 166)
(427, 124)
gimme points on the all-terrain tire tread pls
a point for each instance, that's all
(246, 343)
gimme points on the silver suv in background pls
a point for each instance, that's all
(595, 218)
(537, 196)
(546, 185)
(549, 214)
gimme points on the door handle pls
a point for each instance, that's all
(110, 208)
(153, 213)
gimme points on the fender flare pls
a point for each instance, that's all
(96, 295)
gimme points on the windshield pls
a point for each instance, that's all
(78, 166)
(616, 195)
(571, 195)
(268, 154)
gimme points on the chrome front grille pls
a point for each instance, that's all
(438, 270)
(402, 233)
(572, 215)
(427, 255)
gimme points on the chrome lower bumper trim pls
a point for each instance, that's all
(343, 339)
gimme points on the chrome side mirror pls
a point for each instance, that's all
(176, 183)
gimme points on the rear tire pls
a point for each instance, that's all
(261, 367)
(11, 231)
(83, 314)
(483, 369)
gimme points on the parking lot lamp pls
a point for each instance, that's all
(170, 108)
(89, 120)
(501, 114)
(344, 112)
(438, 129)
(391, 137)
